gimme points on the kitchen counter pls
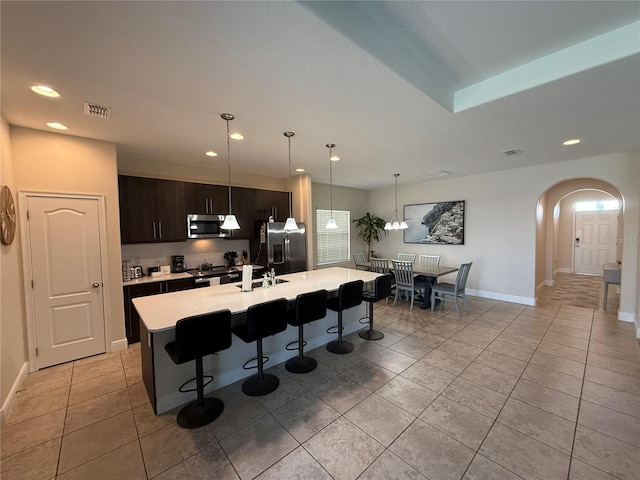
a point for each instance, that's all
(159, 314)
(160, 278)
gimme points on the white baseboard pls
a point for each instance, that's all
(8, 403)
(626, 316)
(502, 297)
(564, 270)
(118, 345)
(549, 283)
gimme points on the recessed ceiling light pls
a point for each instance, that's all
(44, 90)
(57, 126)
(211, 153)
(335, 158)
(300, 170)
(572, 141)
(236, 136)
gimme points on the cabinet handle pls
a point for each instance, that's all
(206, 205)
(154, 230)
(211, 205)
(160, 229)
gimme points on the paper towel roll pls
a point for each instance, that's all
(247, 277)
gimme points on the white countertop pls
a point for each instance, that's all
(159, 278)
(161, 312)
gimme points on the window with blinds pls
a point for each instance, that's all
(333, 245)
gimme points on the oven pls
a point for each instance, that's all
(203, 279)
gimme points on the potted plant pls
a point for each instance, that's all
(370, 229)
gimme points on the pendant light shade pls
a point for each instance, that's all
(230, 222)
(290, 224)
(395, 224)
(331, 223)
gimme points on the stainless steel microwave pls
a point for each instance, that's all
(205, 226)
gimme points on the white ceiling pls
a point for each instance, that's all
(381, 80)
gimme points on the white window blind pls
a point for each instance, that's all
(333, 245)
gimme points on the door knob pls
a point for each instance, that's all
(95, 284)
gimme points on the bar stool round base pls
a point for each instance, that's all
(340, 347)
(300, 365)
(256, 387)
(371, 335)
(194, 415)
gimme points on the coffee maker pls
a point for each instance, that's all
(178, 265)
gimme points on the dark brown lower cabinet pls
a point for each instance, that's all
(131, 317)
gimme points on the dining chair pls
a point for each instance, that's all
(407, 257)
(381, 265)
(405, 280)
(456, 290)
(359, 260)
(429, 260)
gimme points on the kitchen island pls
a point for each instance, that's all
(159, 314)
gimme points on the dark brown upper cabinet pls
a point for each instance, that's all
(206, 199)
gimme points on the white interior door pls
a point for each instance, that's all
(64, 236)
(595, 240)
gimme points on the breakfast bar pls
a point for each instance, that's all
(159, 314)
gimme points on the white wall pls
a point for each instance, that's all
(500, 224)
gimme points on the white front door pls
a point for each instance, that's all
(64, 241)
(595, 240)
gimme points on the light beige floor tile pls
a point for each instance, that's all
(559, 364)
(167, 447)
(96, 369)
(612, 423)
(545, 427)
(547, 399)
(124, 462)
(502, 363)
(133, 375)
(490, 378)
(457, 421)
(96, 358)
(431, 452)
(239, 411)
(297, 464)
(369, 375)
(552, 379)
(52, 377)
(32, 432)
(509, 349)
(305, 416)
(96, 409)
(36, 462)
(579, 343)
(430, 339)
(208, 464)
(95, 440)
(533, 331)
(32, 402)
(311, 380)
(625, 367)
(607, 453)
(460, 349)
(619, 381)
(341, 393)
(411, 347)
(288, 390)
(380, 418)
(336, 362)
(393, 361)
(583, 471)
(572, 324)
(476, 397)
(407, 395)
(524, 455)
(138, 395)
(475, 339)
(95, 387)
(564, 351)
(428, 376)
(570, 330)
(147, 421)
(446, 361)
(388, 466)
(630, 354)
(482, 468)
(611, 398)
(367, 349)
(518, 340)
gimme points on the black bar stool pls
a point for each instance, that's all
(196, 337)
(349, 295)
(309, 307)
(381, 290)
(263, 319)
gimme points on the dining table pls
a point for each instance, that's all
(431, 272)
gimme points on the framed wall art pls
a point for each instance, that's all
(439, 223)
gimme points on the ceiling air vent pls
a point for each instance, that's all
(99, 111)
(513, 151)
(430, 175)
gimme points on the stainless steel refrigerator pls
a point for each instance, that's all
(286, 252)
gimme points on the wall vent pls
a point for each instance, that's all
(513, 151)
(430, 175)
(99, 111)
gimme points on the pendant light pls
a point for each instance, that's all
(230, 222)
(395, 224)
(331, 223)
(290, 224)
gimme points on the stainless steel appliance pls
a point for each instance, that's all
(178, 265)
(136, 271)
(202, 277)
(205, 226)
(273, 247)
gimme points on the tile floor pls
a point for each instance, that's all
(506, 392)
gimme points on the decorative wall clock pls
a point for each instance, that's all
(7, 216)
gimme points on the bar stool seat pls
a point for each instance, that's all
(263, 319)
(309, 307)
(381, 290)
(349, 296)
(196, 337)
